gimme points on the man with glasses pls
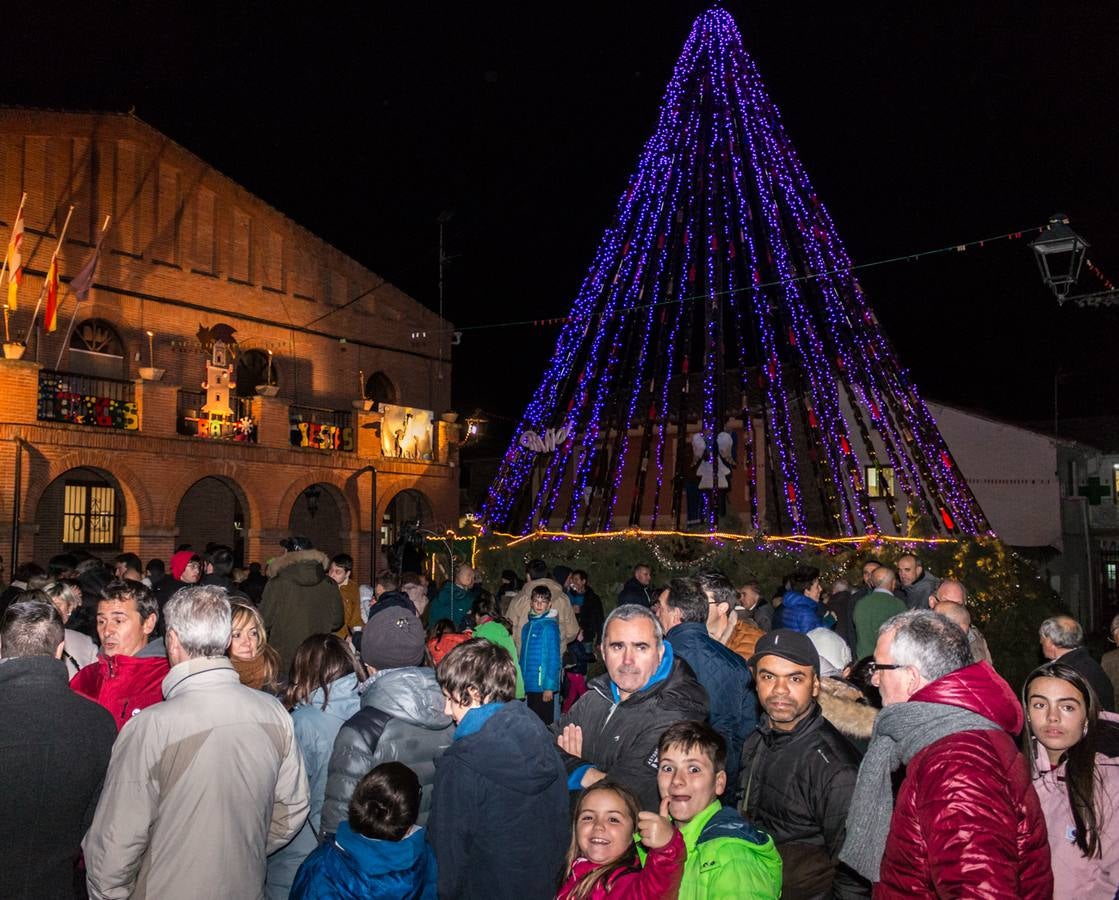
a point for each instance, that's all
(798, 771)
(966, 819)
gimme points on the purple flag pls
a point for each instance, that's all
(81, 282)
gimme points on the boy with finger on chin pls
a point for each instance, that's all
(728, 857)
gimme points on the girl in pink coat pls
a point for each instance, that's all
(1078, 787)
(603, 862)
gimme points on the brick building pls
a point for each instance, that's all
(268, 340)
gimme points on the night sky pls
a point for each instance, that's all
(921, 128)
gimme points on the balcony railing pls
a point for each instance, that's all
(193, 421)
(322, 429)
(85, 400)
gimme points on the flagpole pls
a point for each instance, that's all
(7, 252)
(77, 302)
(54, 256)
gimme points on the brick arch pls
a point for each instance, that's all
(340, 491)
(388, 501)
(224, 472)
(138, 508)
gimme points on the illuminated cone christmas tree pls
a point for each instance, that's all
(720, 329)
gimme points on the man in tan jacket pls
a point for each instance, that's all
(200, 787)
(517, 612)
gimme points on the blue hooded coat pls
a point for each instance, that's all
(353, 866)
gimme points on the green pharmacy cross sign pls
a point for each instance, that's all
(1094, 491)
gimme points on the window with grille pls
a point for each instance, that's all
(90, 514)
(880, 482)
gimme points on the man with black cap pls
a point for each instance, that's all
(798, 772)
(401, 716)
(299, 599)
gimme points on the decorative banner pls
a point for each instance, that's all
(406, 433)
(322, 437)
(56, 404)
(545, 443)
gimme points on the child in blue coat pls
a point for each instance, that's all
(379, 852)
(541, 657)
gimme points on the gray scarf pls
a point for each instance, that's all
(901, 731)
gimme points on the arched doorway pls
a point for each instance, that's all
(212, 512)
(82, 509)
(407, 514)
(380, 389)
(318, 513)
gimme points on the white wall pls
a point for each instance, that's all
(1012, 471)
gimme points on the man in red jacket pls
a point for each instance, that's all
(128, 675)
(966, 822)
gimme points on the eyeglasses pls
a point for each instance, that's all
(873, 667)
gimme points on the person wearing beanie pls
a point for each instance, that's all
(401, 715)
(841, 702)
(185, 569)
(796, 754)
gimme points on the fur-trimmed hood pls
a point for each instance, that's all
(845, 707)
(295, 558)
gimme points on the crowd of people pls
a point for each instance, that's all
(195, 730)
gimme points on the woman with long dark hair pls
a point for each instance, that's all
(322, 693)
(1078, 787)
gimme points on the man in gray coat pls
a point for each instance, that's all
(200, 787)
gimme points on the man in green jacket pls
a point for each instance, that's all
(728, 857)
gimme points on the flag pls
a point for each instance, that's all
(51, 314)
(15, 260)
(80, 283)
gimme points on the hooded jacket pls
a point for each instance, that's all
(499, 822)
(353, 866)
(199, 789)
(124, 685)
(53, 757)
(728, 858)
(729, 685)
(299, 600)
(1073, 875)
(620, 737)
(967, 821)
(315, 731)
(540, 653)
(797, 786)
(799, 612)
(658, 878)
(401, 718)
(847, 709)
(496, 633)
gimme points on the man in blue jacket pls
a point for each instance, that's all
(801, 609)
(682, 611)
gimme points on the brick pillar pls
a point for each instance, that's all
(448, 437)
(273, 422)
(150, 541)
(19, 386)
(157, 407)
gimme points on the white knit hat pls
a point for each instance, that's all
(835, 655)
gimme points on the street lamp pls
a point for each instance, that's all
(1059, 252)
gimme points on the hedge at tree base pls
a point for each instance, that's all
(1007, 597)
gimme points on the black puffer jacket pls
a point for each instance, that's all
(797, 785)
(401, 719)
(621, 739)
(299, 600)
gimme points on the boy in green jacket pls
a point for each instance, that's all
(728, 857)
